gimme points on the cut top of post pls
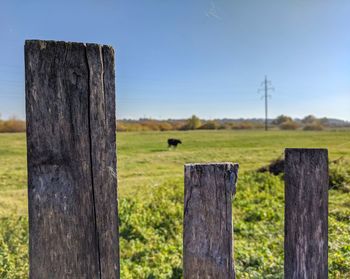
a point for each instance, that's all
(306, 150)
(42, 44)
(230, 169)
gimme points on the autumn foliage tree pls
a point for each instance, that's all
(192, 123)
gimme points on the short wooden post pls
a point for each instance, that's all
(306, 214)
(72, 191)
(208, 236)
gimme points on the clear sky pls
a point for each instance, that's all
(175, 58)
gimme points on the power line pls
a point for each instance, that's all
(266, 86)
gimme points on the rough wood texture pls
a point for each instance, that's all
(306, 214)
(71, 146)
(208, 244)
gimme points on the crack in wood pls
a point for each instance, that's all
(91, 162)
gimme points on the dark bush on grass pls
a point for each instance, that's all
(276, 167)
(339, 172)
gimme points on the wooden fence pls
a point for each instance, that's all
(73, 217)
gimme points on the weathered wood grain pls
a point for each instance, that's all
(72, 191)
(208, 236)
(306, 214)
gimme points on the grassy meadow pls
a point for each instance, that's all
(150, 181)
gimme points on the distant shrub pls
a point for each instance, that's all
(242, 125)
(178, 125)
(135, 127)
(324, 121)
(209, 125)
(282, 119)
(12, 125)
(192, 123)
(165, 126)
(222, 126)
(289, 125)
(310, 119)
(313, 127)
(149, 125)
(121, 127)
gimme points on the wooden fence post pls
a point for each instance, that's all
(306, 214)
(208, 244)
(71, 146)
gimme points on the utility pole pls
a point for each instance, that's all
(266, 86)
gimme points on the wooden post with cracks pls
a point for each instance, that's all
(208, 236)
(306, 214)
(71, 146)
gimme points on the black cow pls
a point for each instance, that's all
(173, 142)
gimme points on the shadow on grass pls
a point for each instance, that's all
(159, 150)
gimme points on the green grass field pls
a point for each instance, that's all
(150, 181)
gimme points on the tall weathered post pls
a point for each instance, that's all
(208, 236)
(306, 214)
(71, 142)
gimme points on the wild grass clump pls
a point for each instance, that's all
(339, 175)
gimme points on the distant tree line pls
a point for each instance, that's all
(282, 122)
(308, 123)
(192, 123)
(12, 125)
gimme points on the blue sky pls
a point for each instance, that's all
(175, 58)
